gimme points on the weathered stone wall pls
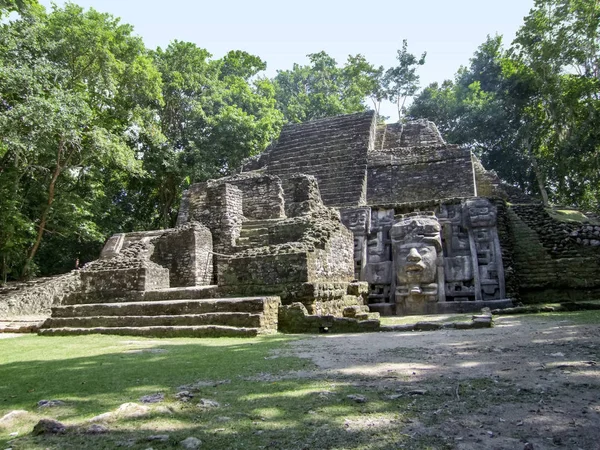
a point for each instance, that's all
(187, 252)
(358, 221)
(548, 263)
(303, 196)
(38, 296)
(299, 250)
(130, 270)
(219, 208)
(262, 195)
(412, 174)
(334, 260)
(561, 239)
(418, 133)
(261, 270)
(261, 198)
(334, 150)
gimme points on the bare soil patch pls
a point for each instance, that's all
(529, 382)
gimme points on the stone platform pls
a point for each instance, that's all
(456, 307)
(173, 312)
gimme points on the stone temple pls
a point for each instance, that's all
(338, 222)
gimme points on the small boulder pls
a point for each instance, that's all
(8, 419)
(49, 426)
(132, 410)
(158, 437)
(96, 429)
(191, 443)
(50, 403)
(153, 398)
(184, 396)
(357, 398)
(102, 417)
(206, 403)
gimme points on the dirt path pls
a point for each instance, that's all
(529, 382)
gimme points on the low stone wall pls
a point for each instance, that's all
(37, 297)
(547, 262)
(260, 270)
(295, 318)
(130, 270)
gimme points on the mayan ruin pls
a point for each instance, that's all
(339, 222)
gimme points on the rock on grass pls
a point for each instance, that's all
(191, 443)
(49, 426)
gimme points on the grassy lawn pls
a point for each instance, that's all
(256, 407)
(93, 375)
(588, 317)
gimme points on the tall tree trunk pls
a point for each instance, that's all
(44, 217)
(4, 269)
(539, 176)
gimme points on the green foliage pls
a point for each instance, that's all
(25, 8)
(73, 84)
(402, 81)
(216, 113)
(532, 112)
(322, 89)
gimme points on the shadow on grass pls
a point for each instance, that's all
(257, 408)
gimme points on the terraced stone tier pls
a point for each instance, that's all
(177, 293)
(164, 331)
(247, 316)
(247, 320)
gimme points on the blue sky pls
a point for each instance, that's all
(283, 33)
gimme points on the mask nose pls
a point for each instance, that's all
(413, 256)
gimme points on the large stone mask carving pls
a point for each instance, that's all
(481, 213)
(417, 243)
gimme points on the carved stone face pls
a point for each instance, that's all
(416, 241)
(357, 220)
(416, 263)
(481, 213)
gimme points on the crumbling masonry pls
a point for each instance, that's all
(340, 220)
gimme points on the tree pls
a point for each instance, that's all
(322, 89)
(559, 42)
(216, 113)
(532, 111)
(24, 8)
(488, 108)
(76, 88)
(402, 81)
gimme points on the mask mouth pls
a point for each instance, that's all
(414, 268)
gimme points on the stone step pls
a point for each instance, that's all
(164, 331)
(232, 319)
(253, 232)
(246, 243)
(169, 307)
(259, 223)
(368, 316)
(176, 293)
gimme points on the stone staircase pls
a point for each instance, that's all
(173, 312)
(254, 233)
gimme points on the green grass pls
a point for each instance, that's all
(569, 215)
(591, 317)
(96, 374)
